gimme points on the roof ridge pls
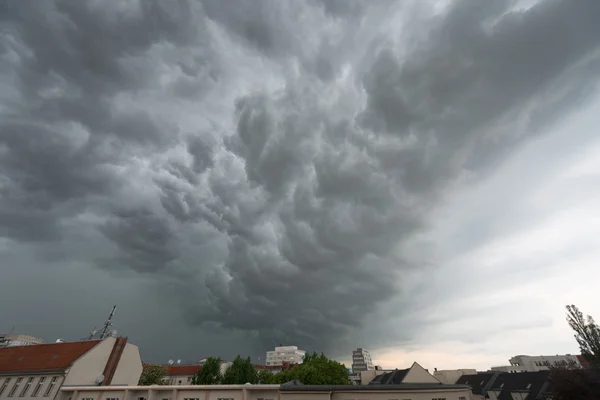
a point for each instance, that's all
(50, 344)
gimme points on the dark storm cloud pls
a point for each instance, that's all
(277, 201)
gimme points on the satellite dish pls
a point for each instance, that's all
(59, 341)
(171, 362)
(178, 362)
(100, 379)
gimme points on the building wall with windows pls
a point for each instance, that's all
(30, 387)
(180, 374)
(285, 354)
(185, 392)
(266, 392)
(387, 392)
(543, 363)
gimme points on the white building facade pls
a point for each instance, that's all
(285, 354)
(185, 392)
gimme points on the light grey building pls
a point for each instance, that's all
(361, 360)
(523, 363)
(15, 339)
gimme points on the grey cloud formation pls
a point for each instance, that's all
(270, 160)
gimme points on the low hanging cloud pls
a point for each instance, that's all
(270, 157)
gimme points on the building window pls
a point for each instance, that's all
(439, 398)
(189, 379)
(51, 387)
(528, 386)
(190, 398)
(4, 385)
(27, 386)
(14, 388)
(38, 387)
(141, 398)
(112, 398)
(462, 398)
(224, 398)
(87, 398)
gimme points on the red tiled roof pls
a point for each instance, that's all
(183, 369)
(43, 357)
(258, 366)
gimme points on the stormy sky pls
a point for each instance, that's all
(416, 177)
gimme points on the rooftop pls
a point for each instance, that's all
(390, 378)
(505, 383)
(42, 357)
(183, 369)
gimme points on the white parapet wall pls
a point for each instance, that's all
(178, 392)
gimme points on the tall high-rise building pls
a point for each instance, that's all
(285, 354)
(361, 360)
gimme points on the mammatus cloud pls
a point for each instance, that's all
(269, 158)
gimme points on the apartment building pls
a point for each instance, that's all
(180, 374)
(285, 354)
(15, 339)
(39, 371)
(361, 360)
(523, 363)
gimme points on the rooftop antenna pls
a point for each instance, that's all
(105, 331)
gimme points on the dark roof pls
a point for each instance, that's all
(349, 388)
(531, 383)
(521, 382)
(390, 378)
(43, 357)
(477, 382)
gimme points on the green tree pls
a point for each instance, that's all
(574, 383)
(265, 377)
(570, 382)
(152, 374)
(315, 370)
(587, 334)
(240, 372)
(210, 373)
